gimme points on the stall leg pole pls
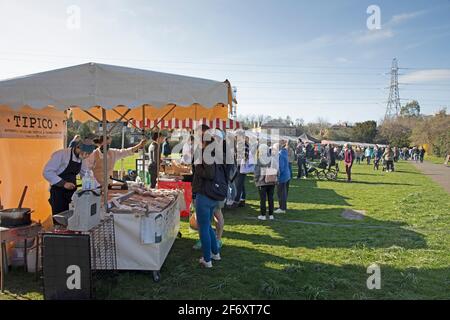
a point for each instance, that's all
(105, 162)
(143, 149)
(123, 146)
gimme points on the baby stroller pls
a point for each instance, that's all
(321, 170)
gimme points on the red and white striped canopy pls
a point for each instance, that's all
(188, 124)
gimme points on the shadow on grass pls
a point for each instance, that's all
(250, 273)
(407, 172)
(380, 183)
(319, 227)
(331, 232)
(247, 272)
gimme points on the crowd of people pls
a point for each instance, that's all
(221, 184)
(271, 165)
(272, 169)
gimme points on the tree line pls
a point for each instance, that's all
(407, 129)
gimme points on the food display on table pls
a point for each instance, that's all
(174, 169)
(143, 200)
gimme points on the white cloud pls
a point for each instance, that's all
(386, 32)
(430, 75)
(403, 17)
(373, 36)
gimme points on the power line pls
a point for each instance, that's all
(217, 63)
(238, 71)
(337, 88)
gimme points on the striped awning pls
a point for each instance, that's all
(188, 124)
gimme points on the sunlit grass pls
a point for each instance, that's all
(405, 232)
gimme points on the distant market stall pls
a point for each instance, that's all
(355, 144)
(34, 108)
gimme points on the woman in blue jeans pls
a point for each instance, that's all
(204, 208)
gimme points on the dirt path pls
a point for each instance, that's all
(438, 172)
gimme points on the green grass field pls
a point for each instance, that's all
(434, 159)
(128, 163)
(311, 252)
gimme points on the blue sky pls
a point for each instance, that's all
(306, 59)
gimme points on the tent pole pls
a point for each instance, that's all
(143, 136)
(65, 133)
(122, 116)
(123, 147)
(105, 161)
(126, 119)
(163, 117)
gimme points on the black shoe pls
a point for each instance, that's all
(241, 204)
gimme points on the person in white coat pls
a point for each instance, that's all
(61, 172)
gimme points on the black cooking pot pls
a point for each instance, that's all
(10, 218)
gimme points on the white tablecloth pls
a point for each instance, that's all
(143, 242)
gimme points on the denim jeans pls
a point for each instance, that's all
(282, 195)
(204, 208)
(240, 187)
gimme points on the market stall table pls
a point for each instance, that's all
(145, 237)
(14, 235)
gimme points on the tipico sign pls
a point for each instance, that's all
(17, 124)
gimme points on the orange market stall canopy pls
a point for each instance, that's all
(89, 91)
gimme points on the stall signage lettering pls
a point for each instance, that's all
(32, 126)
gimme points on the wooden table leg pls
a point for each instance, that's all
(37, 257)
(25, 265)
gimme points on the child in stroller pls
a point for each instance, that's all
(322, 170)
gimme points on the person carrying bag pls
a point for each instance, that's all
(266, 177)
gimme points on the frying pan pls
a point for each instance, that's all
(18, 216)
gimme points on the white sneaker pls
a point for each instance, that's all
(271, 218)
(279, 211)
(216, 257)
(262, 218)
(205, 264)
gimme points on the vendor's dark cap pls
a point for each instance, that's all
(87, 145)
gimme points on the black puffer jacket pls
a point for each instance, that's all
(202, 172)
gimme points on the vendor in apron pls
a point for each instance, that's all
(61, 172)
(95, 160)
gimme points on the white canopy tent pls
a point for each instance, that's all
(111, 93)
(92, 84)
